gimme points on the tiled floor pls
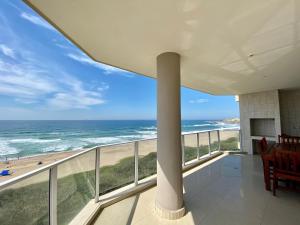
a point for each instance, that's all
(229, 191)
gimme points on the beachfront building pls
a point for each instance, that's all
(244, 48)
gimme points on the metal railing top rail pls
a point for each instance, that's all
(14, 180)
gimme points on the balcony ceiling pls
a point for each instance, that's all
(227, 47)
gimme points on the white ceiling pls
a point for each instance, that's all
(215, 38)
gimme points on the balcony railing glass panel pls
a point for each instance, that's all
(75, 186)
(147, 158)
(26, 202)
(116, 166)
(190, 147)
(229, 140)
(214, 141)
(203, 144)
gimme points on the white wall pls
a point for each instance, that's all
(258, 105)
(290, 112)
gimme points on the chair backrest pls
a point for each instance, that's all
(287, 161)
(291, 142)
(263, 146)
(285, 139)
(296, 140)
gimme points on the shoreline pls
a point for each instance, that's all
(10, 157)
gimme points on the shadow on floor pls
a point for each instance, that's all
(121, 213)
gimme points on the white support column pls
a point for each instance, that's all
(169, 197)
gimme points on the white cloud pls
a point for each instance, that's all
(46, 86)
(23, 81)
(37, 21)
(104, 86)
(198, 101)
(75, 95)
(82, 58)
(7, 51)
(26, 101)
(28, 84)
(74, 100)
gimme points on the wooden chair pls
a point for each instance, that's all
(267, 162)
(286, 167)
(291, 142)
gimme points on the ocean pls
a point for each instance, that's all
(27, 138)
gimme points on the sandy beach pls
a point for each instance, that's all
(109, 156)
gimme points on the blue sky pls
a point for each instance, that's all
(44, 76)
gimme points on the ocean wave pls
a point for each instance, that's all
(60, 148)
(201, 125)
(143, 132)
(197, 125)
(138, 136)
(32, 140)
(102, 140)
(5, 149)
(149, 128)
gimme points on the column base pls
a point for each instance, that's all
(169, 214)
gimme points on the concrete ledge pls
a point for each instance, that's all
(237, 153)
(169, 214)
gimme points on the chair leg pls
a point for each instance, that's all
(267, 178)
(274, 186)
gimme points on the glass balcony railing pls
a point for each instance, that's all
(147, 155)
(230, 140)
(116, 166)
(56, 193)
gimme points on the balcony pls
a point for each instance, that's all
(224, 191)
(245, 48)
(73, 190)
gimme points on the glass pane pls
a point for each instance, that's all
(147, 158)
(26, 202)
(229, 140)
(203, 143)
(116, 167)
(214, 141)
(75, 186)
(190, 147)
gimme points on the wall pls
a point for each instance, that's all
(290, 112)
(258, 105)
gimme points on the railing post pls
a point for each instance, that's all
(209, 143)
(182, 150)
(97, 175)
(136, 163)
(240, 141)
(219, 141)
(198, 146)
(53, 196)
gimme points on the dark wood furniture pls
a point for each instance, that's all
(285, 143)
(286, 166)
(267, 162)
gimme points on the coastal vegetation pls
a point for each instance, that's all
(28, 204)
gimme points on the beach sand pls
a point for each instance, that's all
(108, 156)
